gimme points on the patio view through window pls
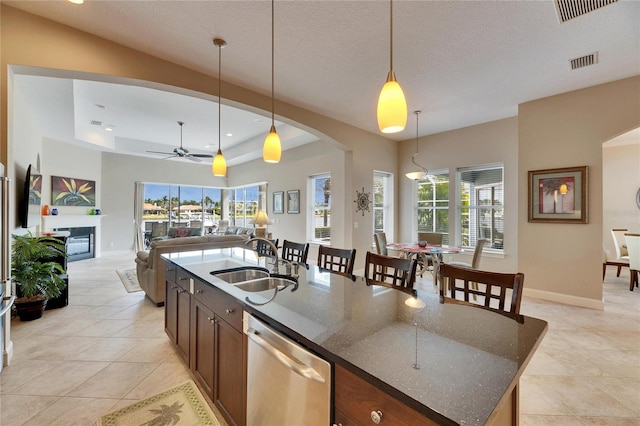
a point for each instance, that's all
(320, 186)
(381, 208)
(433, 204)
(482, 206)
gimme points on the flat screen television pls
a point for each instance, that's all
(32, 198)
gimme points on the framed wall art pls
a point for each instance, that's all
(293, 201)
(72, 191)
(278, 202)
(559, 195)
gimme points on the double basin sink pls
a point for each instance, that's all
(252, 279)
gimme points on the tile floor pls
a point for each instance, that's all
(107, 349)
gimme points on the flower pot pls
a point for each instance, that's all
(31, 310)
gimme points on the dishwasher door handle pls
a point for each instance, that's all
(300, 369)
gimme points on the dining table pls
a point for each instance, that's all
(420, 252)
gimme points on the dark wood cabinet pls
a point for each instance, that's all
(358, 401)
(178, 310)
(205, 325)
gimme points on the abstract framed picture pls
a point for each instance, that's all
(278, 202)
(67, 191)
(293, 201)
(559, 195)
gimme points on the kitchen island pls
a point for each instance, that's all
(470, 360)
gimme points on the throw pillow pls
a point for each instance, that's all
(181, 232)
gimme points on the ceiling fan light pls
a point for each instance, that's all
(416, 175)
(272, 149)
(392, 106)
(219, 165)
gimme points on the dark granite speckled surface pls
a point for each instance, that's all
(468, 357)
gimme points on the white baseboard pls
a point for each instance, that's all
(565, 299)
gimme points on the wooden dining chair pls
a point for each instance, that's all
(392, 272)
(622, 255)
(264, 249)
(458, 279)
(337, 261)
(295, 252)
(431, 238)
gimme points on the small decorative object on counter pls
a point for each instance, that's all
(92, 212)
(54, 212)
(98, 212)
(45, 210)
(422, 243)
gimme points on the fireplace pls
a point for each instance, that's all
(80, 242)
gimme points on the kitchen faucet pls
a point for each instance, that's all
(289, 265)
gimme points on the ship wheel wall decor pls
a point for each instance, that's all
(362, 201)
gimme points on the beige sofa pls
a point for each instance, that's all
(150, 265)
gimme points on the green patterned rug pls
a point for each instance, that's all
(183, 405)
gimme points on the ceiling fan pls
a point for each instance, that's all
(182, 152)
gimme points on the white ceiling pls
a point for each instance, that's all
(460, 62)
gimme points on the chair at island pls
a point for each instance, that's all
(392, 272)
(496, 291)
(295, 252)
(337, 261)
(264, 249)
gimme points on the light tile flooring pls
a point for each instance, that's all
(107, 349)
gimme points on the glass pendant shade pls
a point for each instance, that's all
(392, 107)
(219, 165)
(416, 175)
(272, 150)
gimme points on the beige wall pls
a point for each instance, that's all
(620, 181)
(29, 41)
(493, 142)
(564, 262)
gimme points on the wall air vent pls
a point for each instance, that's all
(569, 9)
(96, 123)
(584, 61)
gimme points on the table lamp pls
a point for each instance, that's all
(260, 220)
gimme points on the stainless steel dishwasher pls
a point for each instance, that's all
(286, 384)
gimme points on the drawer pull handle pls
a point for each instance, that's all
(376, 417)
(230, 311)
(174, 286)
(183, 278)
(199, 291)
(209, 319)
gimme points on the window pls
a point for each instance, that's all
(243, 205)
(381, 202)
(320, 186)
(433, 204)
(482, 206)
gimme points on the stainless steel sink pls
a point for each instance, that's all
(262, 284)
(239, 275)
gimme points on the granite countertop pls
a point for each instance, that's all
(469, 358)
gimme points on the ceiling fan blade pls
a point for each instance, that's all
(192, 158)
(201, 155)
(161, 152)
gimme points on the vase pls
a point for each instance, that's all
(54, 212)
(45, 210)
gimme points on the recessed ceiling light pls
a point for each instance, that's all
(257, 120)
(207, 146)
(109, 127)
(76, 1)
(229, 134)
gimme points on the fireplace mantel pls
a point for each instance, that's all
(74, 221)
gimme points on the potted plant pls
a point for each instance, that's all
(37, 278)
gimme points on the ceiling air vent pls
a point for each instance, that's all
(96, 123)
(569, 9)
(584, 61)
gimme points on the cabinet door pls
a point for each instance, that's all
(202, 346)
(171, 311)
(183, 319)
(230, 395)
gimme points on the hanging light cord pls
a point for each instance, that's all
(391, 35)
(413, 157)
(272, 61)
(219, 90)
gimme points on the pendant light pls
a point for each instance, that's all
(392, 106)
(219, 165)
(272, 149)
(423, 170)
